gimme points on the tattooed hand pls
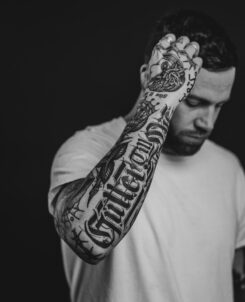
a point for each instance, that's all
(172, 69)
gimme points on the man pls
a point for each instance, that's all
(149, 199)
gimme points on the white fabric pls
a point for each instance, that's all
(181, 246)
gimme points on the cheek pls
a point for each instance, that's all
(182, 119)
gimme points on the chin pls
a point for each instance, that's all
(181, 148)
(188, 150)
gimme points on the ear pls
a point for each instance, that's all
(143, 76)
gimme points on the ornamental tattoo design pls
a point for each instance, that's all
(172, 75)
(143, 112)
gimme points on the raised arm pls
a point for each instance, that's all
(93, 214)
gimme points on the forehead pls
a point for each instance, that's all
(214, 85)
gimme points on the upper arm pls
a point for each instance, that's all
(73, 162)
(62, 203)
(63, 193)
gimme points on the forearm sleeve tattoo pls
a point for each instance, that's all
(99, 210)
(94, 214)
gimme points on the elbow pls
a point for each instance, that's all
(84, 248)
(82, 245)
(91, 258)
(89, 255)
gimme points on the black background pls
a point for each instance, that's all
(65, 66)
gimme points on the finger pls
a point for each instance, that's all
(167, 40)
(198, 61)
(192, 49)
(181, 42)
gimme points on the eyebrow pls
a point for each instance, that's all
(205, 100)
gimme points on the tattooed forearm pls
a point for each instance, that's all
(94, 214)
(124, 192)
(99, 210)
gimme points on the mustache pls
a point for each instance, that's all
(203, 134)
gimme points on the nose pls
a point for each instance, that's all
(206, 119)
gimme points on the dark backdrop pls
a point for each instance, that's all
(66, 66)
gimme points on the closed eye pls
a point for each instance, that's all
(192, 102)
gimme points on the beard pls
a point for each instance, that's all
(185, 143)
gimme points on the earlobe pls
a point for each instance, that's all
(143, 76)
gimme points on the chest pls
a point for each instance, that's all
(192, 212)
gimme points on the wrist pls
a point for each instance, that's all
(171, 99)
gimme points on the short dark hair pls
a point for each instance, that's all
(216, 48)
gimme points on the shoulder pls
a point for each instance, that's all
(81, 152)
(93, 137)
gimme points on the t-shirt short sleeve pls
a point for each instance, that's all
(80, 154)
(240, 195)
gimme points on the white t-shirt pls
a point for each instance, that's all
(181, 246)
